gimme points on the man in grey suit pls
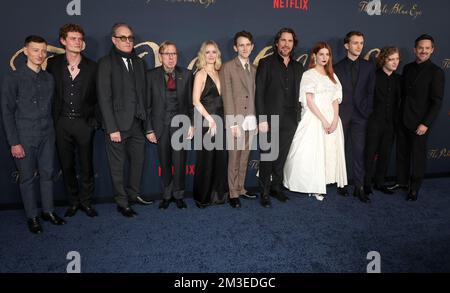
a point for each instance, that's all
(238, 92)
(27, 95)
(169, 93)
(121, 96)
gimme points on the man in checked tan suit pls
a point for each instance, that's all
(238, 92)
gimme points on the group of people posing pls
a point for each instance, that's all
(318, 120)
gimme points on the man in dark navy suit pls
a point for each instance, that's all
(357, 77)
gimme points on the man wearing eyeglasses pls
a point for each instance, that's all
(121, 95)
(169, 93)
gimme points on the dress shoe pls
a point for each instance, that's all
(164, 204)
(71, 211)
(127, 212)
(180, 203)
(280, 196)
(248, 195)
(34, 226)
(200, 205)
(141, 201)
(265, 201)
(343, 191)
(235, 202)
(412, 195)
(368, 190)
(360, 194)
(397, 186)
(53, 218)
(89, 210)
(383, 188)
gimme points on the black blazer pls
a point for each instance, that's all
(156, 97)
(361, 99)
(89, 106)
(269, 87)
(421, 96)
(380, 102)
(118, 111)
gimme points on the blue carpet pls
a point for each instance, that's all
(302, 235)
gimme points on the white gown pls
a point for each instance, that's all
(316, 158)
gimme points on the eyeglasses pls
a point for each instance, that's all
(169, 54)
(124, 38)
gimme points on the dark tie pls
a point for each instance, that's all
(248, 76)
(129, 65)
(354, 73)
(171, 86)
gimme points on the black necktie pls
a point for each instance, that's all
(354, 68)
(129, 65)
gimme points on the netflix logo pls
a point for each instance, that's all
(190, 170)
(292, 4)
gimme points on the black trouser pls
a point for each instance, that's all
(379, 140)
(132, 147)
(355, 137)
(74, 135)
(274, 169)
(173, 183)
(411, 157)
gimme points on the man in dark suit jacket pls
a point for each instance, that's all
(277, 89)
(422, 92)
(382, 122)
(169, 93)
(357, 77)
(121, 89)
(74, 116)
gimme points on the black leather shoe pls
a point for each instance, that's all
(397, 186)
(412, 195)
(34, 226)
(127, 212)
(280, 196)
(53, 218)
(265, 201)
(141, 201)
(235, 202)
(71, 211)
(360, 194)
(164, 204)
(180, 203)
(343, 191)
(368, 190)
(383, 189)
(248, 195)
(89, 210)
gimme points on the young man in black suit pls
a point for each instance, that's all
(121, 89)
(357, 77)
(169, 93)
(422, 93)
(74, 115)
(383, 120)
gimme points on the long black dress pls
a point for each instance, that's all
(210, 179)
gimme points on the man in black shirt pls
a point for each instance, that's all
(380, 128)
(277, 89)
(74, 116)
(422, 92)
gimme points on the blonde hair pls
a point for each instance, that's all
(201, 59)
